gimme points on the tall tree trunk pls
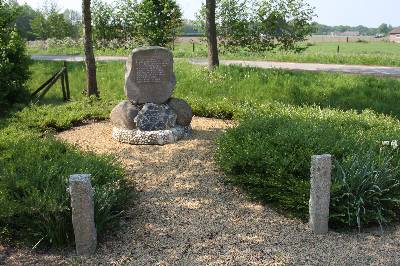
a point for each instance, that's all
(213, 60)
(90, 61)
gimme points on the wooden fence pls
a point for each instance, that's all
(45, 87)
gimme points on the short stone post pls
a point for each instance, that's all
(321, 167)
(82, 205)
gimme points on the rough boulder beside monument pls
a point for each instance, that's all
(150, 115)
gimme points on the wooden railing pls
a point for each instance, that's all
(45, 87)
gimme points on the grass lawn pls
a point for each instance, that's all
(221, 93)
(372, 53)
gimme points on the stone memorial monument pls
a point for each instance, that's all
(150, 115)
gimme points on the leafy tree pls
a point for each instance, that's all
(14, 63)
(105, 24)
(385, 28)
(50, 23)
(259, 25)
(189, 28)
(74, 19)
(115, 21)
(39, 27)
(153, 22)
(58, 27)
(25, 15)
(282, 24)
(158, 22)
(126, 12)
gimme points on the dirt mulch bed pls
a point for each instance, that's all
(186, 215)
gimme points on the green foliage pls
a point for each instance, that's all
(159, 22)
(45, 23)
(34, 167)
(39, 27)
(14, 63)
(34, 201)
(366, 187)
(105, 24)
(385, 28)
(23, 21)
(320, 29)
(269, 153)
(58, 26)
(150, 22)
(262, 25)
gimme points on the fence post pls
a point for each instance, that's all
(82, 206)
(321, 168)
(66, 81)
(63, 87)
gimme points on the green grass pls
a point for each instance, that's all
(371, 53)
(34, 201)
(268, 154)
(221, 93)
(34, 169)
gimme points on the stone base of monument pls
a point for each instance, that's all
(158, 137)
(149, 115)
(150, 123)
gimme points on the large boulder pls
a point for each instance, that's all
(149, 76)
(183, 111)
(123, 115)
(155, 117)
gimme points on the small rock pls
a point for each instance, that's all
(155, 117)
(123, 115)
(183, 111)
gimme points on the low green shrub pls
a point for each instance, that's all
(34, 202)
(14, 63)
(269, 153)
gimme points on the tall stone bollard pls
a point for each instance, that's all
(321, 167)
(82, 205)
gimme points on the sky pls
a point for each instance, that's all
(369, 13)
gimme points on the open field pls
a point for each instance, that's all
(232, 85)
(360, 53)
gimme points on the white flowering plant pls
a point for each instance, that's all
(394, 144)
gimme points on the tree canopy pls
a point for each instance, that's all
(260, 25)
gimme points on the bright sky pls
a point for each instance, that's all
(330, 12)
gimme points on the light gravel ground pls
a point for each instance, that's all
(185, 215)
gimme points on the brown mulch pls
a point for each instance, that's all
(186, 215)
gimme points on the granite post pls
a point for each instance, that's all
(82, 205)
(321, 167)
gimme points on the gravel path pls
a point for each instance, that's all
(350, 69)
(185, 215)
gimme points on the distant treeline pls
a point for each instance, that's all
(383, 29)
(49, 22)
(46, 22)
